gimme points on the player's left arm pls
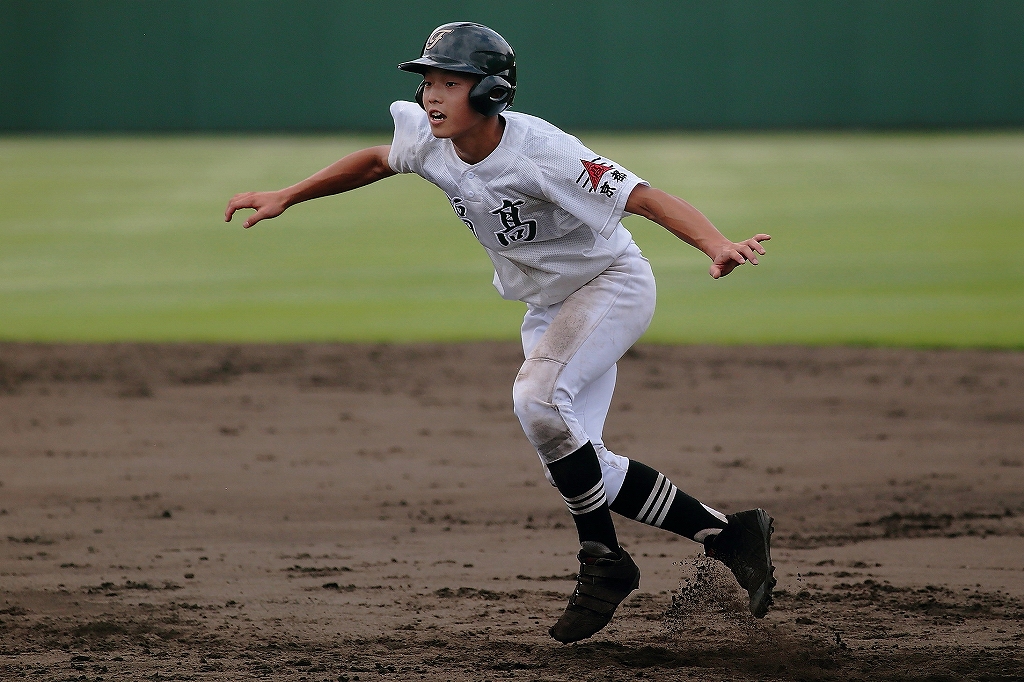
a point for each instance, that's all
(690, 225)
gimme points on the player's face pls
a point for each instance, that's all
(446, 100)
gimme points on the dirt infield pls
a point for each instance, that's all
(340, 512)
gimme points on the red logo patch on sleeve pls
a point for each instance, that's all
(594, 170)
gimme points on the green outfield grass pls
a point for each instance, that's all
(889, 239)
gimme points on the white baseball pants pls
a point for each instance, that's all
(564, 389)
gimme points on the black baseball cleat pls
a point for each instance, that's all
(745, 547)
(605, 579)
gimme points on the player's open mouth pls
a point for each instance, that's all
(437, 116)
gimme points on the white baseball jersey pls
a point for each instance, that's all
(547, 209)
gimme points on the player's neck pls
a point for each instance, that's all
(477, 143)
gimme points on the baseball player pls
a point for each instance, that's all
(548, 213)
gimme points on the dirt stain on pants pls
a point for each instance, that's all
(571, 349)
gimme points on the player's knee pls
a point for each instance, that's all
(533, 388)
(532, 401)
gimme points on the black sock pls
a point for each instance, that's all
(578, 477)
(649, 497)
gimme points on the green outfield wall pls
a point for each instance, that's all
(309, 65)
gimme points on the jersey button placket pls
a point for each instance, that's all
(471, 184)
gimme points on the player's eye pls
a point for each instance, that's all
(451, 84)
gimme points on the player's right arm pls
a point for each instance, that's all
(353, 171)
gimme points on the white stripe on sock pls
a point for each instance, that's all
(668, 505)
(661, 504)
(588, 501)
(598, 486)
(663, 494)
(594, 505)
(659, 483)
(576, 507)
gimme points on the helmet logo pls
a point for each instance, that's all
(435, 37)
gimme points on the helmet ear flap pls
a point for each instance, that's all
(492, 95)
(419, 94)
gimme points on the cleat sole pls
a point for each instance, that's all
(762, 599)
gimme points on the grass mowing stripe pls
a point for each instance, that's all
(895, 239)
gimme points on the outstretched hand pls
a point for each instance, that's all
(267, 205)
(736, 254)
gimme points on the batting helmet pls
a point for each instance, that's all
(471, 48)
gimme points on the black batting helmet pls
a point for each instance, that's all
(471, 48)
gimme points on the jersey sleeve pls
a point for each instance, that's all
(410, 120)
(590, 187)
